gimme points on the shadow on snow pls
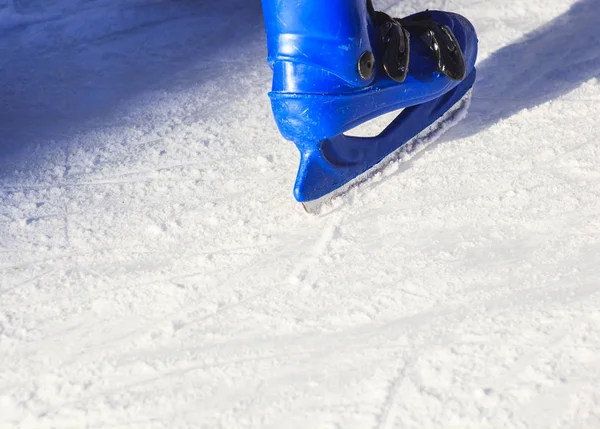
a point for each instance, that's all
(63, 71)
(547, 63)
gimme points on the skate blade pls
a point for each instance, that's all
(389, 165)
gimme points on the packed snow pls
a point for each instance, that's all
(156, 272)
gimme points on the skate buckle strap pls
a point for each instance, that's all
(395, 34)
(441, 41)
(396, 54)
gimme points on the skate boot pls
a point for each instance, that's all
(339, 63)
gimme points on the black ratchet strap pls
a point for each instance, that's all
(396, 33)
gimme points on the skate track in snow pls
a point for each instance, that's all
(155, 271)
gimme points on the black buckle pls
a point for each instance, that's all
(442, 42)
(395, 34)
(396, 40)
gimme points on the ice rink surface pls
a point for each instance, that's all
(156, 272)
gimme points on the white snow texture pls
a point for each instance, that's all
(156, 272)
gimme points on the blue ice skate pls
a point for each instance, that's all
(339, 63)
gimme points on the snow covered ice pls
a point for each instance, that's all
(156, 272)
